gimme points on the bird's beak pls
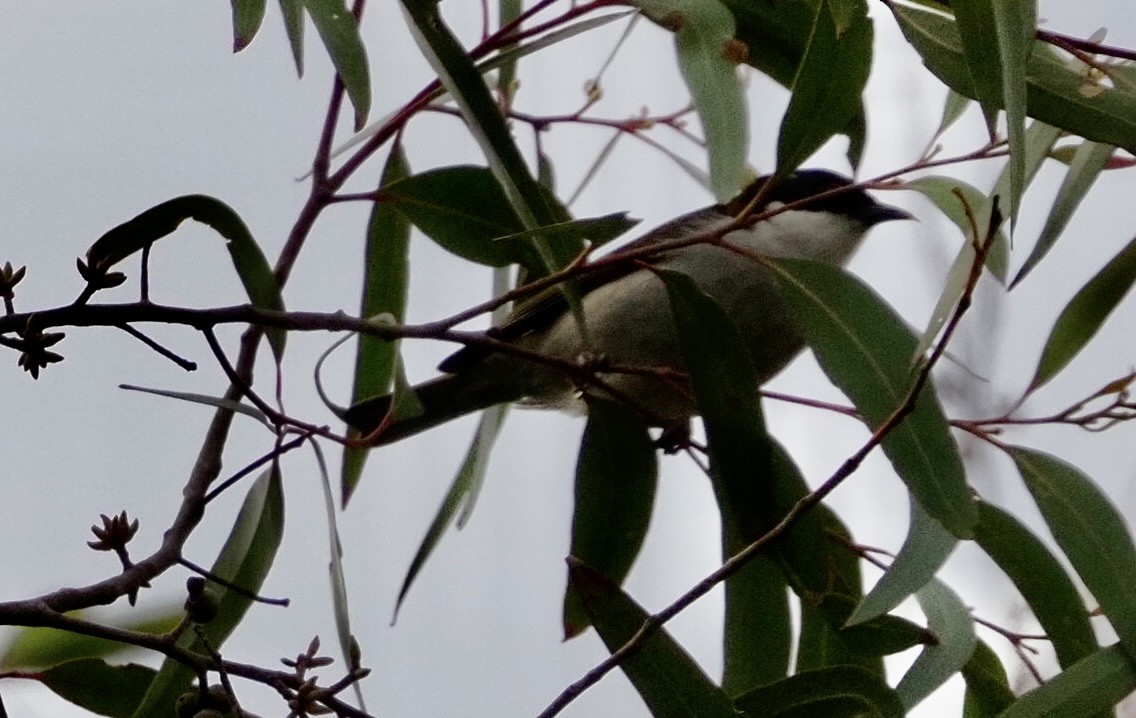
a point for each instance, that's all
(886, 213)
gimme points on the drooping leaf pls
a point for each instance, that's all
(1084, 315)
(293, 15)
(666, 677)
(827, 87)
(833, 691)
(103, 689)
(532, 205)
(1041, 580)
(1091, 686)
(385, 273)
(924, 551)
(460, 497)
(1091, 533)
(949, 619)
(247, 16)
(218, 402)
(1054, 91)
(987, 688)
(339, 32)
(616, 476)
(244, 560)
(253, 269)
(597, 230)
(865, 349)
(37, 647)
(1088, 162)
(708, 56)
(953, 108)
(757, 630)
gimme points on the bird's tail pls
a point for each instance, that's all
(443, 399)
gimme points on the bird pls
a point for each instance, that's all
(627, 314)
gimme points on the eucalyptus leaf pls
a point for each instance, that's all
(1084, 315)
(924, 551)
(339, 32)
(834, 691)
(252, 268)
(987, 688)
(666, 677)
(247, 17)
(864, 348)
(386, 268)
(949, 618)
(1091, 686)
(1090, 531)
(93, 685)
(616, 476)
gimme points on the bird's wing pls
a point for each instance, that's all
(545, 307)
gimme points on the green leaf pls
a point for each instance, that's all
(949, 619)
(987, 688)
(864, 348)
(140, 232)
(706, 49)
(465, 211)
(834, 691)
(1091, 533)
(941, 192)
(531, 204)
(667, 678)
(218, 402)
(597, 230)
(1041, 580)
(616, 476)
(1084, 315)
(1092, 685)
(463, 491)
(1054, 90)
(757, 630)
(827, 88)
(337, 577)
(385, 276)
(247, 16)
(1088, 162)
(244, 560)
(339, 32)
(953, 108)
(924, 551)
(293, 14)
(36, 647)
(93, 685)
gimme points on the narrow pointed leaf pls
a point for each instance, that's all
(461, 494)
(215, 401)
(244, 560)
(1091, 533)
(339, 33)
(987, 688)
(1054, 91)
(757, 630)
(37, 646)
(949, 619)
(708, 57)
(293, 14)
(1041, 580)
(1092, 686)
(924, 551)
(93, 685)
(953, 108)
(834, 691)
(865, 349)
(161, 220)
(827, 87)
(531, 204)
(247, 16)
(616, 476)
(1084, 315)
(385, 273)
(666, 677)
(941, 191)
(1088, 162)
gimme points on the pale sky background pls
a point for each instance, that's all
(109, 108)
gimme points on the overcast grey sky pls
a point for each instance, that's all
(109, 108)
